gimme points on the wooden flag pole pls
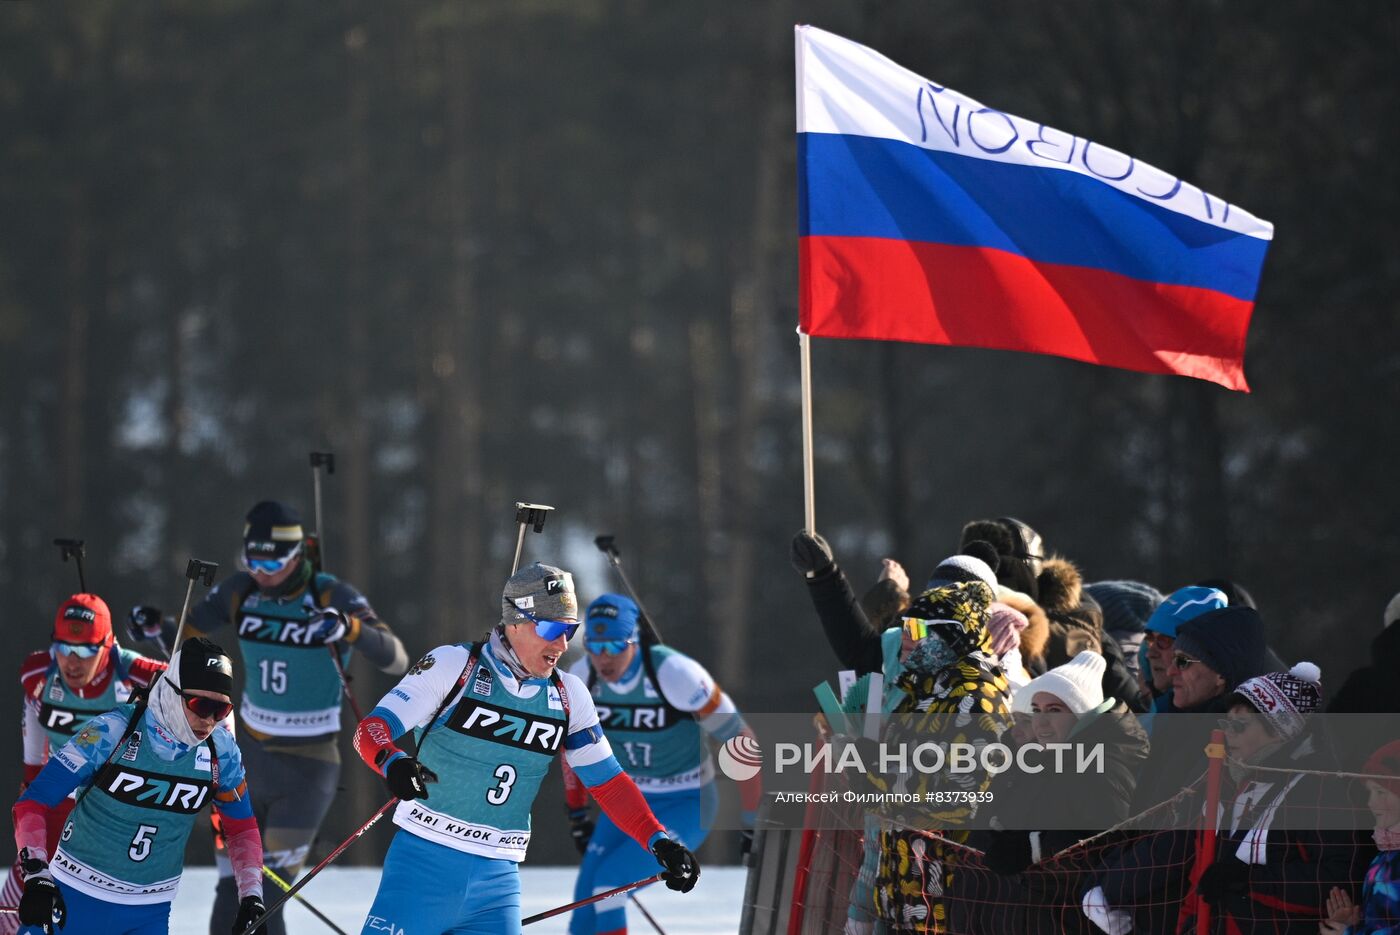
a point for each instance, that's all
(808, 473)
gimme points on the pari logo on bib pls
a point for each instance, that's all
(740, 758)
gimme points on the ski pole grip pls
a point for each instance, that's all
(324, 459)
(197, 570)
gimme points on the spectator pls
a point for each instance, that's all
(1126, 605)
(952, 691)
(1214, 652)
(1160, 640)
(1272, 866)
(1379, 912)
(1375, 688)
(1068, 705)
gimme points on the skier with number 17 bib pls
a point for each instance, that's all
(656, 705)
(492, 715)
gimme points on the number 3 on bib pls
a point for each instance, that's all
(506, 774)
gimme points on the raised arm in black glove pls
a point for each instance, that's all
(810, 554)
(682, 869)
(408, 779)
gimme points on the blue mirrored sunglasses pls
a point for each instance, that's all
(81, 650)
(607, 647)
(550, 629)
(271, 566)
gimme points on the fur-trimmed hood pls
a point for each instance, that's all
(1037, 631)
(1061, 586)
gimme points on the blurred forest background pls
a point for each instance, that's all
(540, 250)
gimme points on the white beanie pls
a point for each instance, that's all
(1021, 698)
(1078, 683)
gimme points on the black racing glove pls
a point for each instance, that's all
(250, 908)
(145, 623)
(42, 903)
(810, 554)
(1223, 880)
(581, 825)
(328, 625)
(682, 869)
(408, 779)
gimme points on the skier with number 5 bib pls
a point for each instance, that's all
(82, 674)
(289, 619)
(490, 716)
(142, 773)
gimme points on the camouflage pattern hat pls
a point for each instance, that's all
(539, 592)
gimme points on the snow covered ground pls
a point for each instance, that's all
(344, 894)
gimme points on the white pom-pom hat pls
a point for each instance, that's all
(1285, 698)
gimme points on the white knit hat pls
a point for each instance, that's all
(1078, 683)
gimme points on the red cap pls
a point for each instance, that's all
(1385, 762)
(83, 618)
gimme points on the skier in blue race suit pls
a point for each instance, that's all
(654, 703)
(143, 773)
(490, 717)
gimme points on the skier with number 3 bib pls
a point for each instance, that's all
(490, 716)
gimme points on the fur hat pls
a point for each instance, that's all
(1284, 697)
(1036, 635)
(1018, 546)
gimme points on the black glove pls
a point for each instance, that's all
(408, 779)
(745, 844)
(682, 869)
(1222, 880)
(250, 908)
(1009, 852)
(581, 825)
(145, 623)
(42, 903)
(810, 554)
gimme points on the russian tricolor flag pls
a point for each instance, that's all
(928, 217)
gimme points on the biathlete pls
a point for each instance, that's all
(492, 715)
(653, 703)
(286, 615)
(142, 773)
(82, 674)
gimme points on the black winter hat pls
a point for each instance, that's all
(272, 529)
(1229, 640)
(204, 666)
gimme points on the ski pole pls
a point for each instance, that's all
(592, 899)
(527, 515)
(340, 849)
(74, 547)
(608, 546)
(194, 571)
(320, 459)
(284, 885)
(648, 916)
(326, 459)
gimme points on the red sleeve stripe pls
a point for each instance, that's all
(232, 795)
(622, 801)
(708, 707)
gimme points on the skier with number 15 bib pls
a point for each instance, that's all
(491, 715)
